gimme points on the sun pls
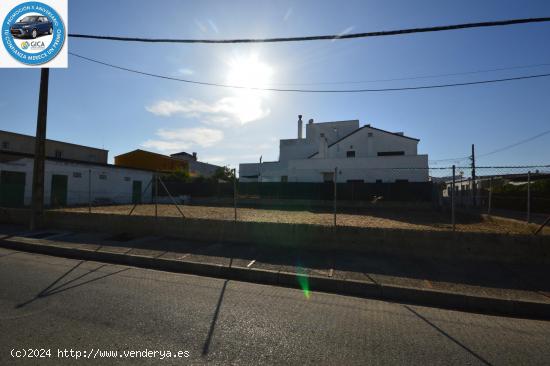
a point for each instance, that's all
(248, 71)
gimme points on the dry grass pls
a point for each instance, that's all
(389, 219)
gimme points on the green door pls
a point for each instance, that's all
(59, 190)
(12, 189)
(136, 191)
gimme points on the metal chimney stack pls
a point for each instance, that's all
(300, 123)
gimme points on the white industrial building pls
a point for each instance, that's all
(360, 154)
(74, 175)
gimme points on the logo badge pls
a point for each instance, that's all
(33, 33)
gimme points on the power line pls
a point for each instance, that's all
(504, 148)
(524, 77)
(516, 144)
(420, 76)
(319, 38)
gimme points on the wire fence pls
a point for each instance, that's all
(511, 199)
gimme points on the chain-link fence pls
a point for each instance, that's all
(503, 199)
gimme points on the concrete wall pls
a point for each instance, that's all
(25, 144)
(427, 244)
(117, 185)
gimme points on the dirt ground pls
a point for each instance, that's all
(390, 219)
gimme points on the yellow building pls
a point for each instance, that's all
(141, 159)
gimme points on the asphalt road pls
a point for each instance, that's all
(56, 304)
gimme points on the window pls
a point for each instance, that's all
(103, 176)
(5, 145)
(284, 178)
(77, 175)
(58, 154)
(350, 154)
(390, 153)
(369, 134)
(379, 181)
(401, 181)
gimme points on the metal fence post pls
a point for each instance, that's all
(89, 190)
(156, 195)
(235, 193)
(528, 196)
(490, 196)
(453, 200)
(335, 193)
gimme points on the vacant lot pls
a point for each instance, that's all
(383, 218)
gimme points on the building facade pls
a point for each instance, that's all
(196, 168)
(71, 182)
(141, 159)
(355, 153)
(19, 143)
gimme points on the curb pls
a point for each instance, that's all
(393, 293)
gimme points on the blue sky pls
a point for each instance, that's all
(97, 106)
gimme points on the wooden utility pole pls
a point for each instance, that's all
(474, 176)
(37, 204)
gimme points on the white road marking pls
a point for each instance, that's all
(251, 263)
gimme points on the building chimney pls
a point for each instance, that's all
(310, 120)
(300, 126)
(195, 156)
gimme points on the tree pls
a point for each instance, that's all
(224, 174)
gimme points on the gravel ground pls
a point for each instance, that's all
(390, 219)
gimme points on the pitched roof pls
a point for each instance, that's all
(359, 129)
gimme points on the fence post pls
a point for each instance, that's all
(453, 200)
(156, 194)
(335, 193)
(89, 190)
(235, 193)
(528, 196)
(490, 196)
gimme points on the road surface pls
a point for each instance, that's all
(70, 308)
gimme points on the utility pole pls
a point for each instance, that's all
(37, 204)
(473, 176)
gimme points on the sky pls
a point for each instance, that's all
(97, 106)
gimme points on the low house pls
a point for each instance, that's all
(196, 168)
(358, 154)
(71, 182)
(141, 159)
(19, 143)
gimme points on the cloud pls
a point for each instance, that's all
(173, 140)
(287, 14)
(227, 111)
(213, 26)
(201, 26)
(186, 71)
(344, 32)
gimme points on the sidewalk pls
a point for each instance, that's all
(487, 287)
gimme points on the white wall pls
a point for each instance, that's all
(115, 187)
(388, 168)
(295, 162)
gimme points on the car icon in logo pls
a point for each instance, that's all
(32, 26)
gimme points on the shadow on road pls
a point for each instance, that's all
(52, 289)
(208, 340)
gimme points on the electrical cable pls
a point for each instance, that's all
(319, 38)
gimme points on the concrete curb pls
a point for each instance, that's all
(393, 293)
